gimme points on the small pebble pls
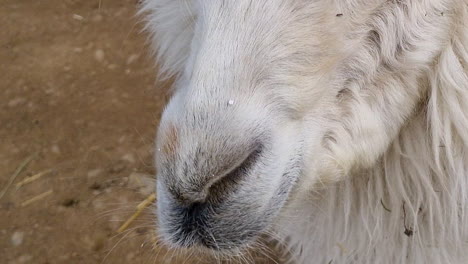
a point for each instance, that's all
(17, 238)
(49, 91)
(55, 149)
(16, 101)
(132, 58)
(99, 55)
(77, 17)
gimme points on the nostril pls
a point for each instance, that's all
(226, 184)
(194, 216)
(247, 164)
(213, 189)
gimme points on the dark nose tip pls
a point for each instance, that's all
(194, 217)
(194, 225)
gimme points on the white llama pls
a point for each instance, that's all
(339, 127)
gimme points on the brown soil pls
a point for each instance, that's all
(78, 96)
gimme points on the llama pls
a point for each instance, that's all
(339, 128)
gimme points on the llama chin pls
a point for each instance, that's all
(338, 127)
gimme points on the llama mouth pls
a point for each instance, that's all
(197, 227)
(192, 226)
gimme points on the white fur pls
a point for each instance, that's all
(385, 164)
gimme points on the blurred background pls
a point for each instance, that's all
(79, 107)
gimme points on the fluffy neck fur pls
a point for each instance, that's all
(411, 206)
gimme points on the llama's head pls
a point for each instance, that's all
(271, 98)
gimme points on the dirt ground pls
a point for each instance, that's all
(79, 100)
